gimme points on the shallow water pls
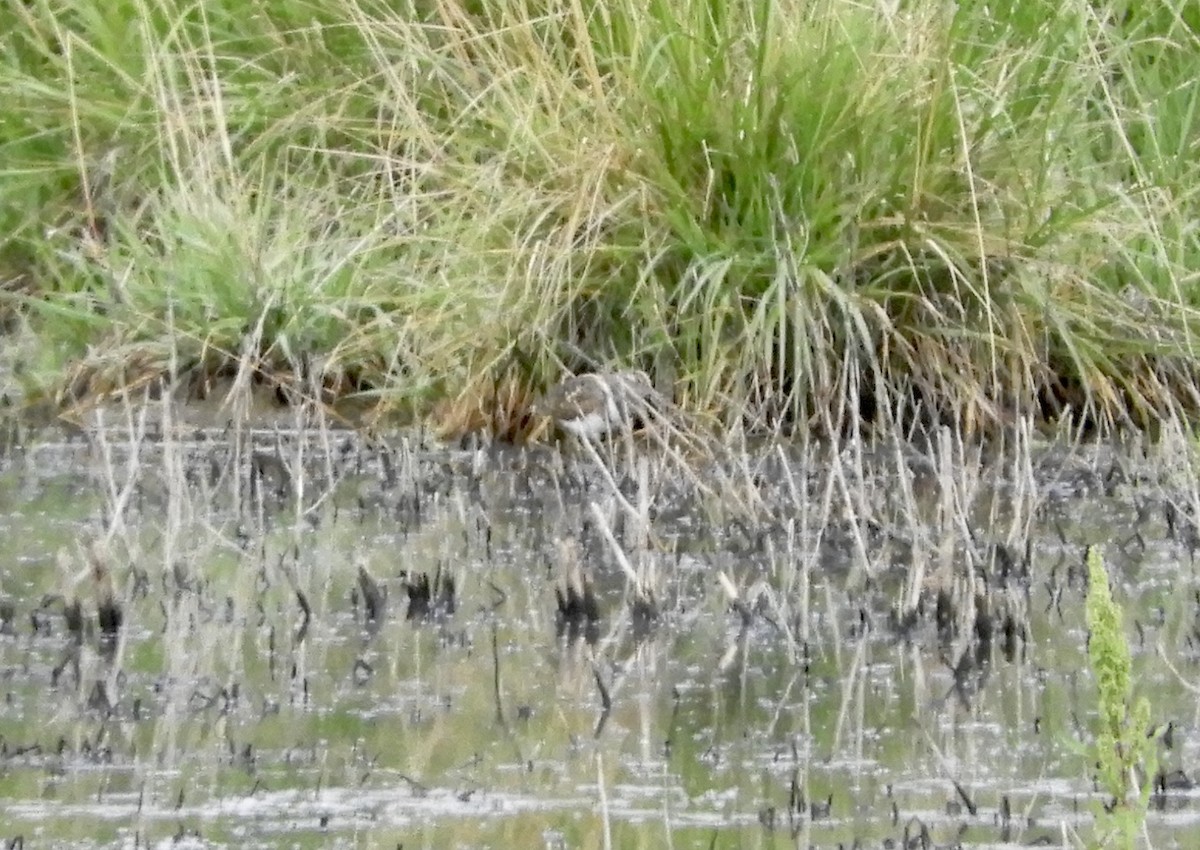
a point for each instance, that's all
(222, 716)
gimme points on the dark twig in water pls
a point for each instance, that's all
(436, 598)
(967, 801)
(578, 611)
(916, 834)
(419, 789)
(605, 701)
(72, 613)
(108, 610)
(8, 613)
(499, 596)
(374, 596)
(306, 610)
(496, 675)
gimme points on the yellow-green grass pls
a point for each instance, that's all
(777, 205)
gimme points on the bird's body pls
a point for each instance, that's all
(593, 405)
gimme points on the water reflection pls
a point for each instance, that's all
(494, 647)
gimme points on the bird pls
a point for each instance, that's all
(592, 405)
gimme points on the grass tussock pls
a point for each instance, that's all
(777, 205)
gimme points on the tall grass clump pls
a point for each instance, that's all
(789, 208)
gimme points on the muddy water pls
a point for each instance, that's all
(223, 713)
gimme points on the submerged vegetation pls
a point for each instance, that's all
(785, 210)
(260, 636)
